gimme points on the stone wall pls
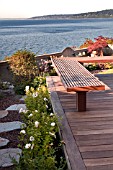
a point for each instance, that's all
(47, 56)
(5, 73)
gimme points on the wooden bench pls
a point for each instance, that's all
(76, 77)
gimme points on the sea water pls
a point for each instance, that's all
(49, 36)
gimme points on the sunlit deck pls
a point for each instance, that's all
(88, 136)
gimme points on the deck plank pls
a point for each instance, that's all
(73, 155)
(92, 131)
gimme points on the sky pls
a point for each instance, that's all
(31, 8)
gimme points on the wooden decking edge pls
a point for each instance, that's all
(73, 156)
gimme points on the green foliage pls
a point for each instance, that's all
(23, 63)
(24, 68)
(38, 138)
(108, 65)
(38, 81)
(20, 87)
(99, 66)
(92, 67)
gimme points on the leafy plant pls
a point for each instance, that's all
(109, 40)
(45, 67)
(38, 81)
(24, 67)
(38, 138)
(98, 45)
(92, 67)
(23, 63)
(87, 43)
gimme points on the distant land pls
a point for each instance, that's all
(108, 13)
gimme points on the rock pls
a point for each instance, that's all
(7, 92)
(16, 107)
(8, 155)
(3, 142)
(23, 98)
(9, 126)
(3, 113)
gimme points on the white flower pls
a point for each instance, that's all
(45, 99)
(5, 82)
(27, 88)
(21, 110)
(23, 131)
(51, 114)
(52, 134)
(53, 124)
(32, 146)
(36, 124)
(11, 87)
(47, 106)
(35, 94)
(36, 110)
(31, 138)
(30, 115)
(25, 111)
(28, 145)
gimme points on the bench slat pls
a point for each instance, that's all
(76, 77)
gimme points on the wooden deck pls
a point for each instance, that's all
(88, 136)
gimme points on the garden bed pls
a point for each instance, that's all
(13, 136)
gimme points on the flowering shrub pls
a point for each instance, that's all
(98, 45)
(38, 81)
(38, 138)
(45, 68)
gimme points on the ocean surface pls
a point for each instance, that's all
(49, 36)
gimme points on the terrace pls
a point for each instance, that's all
(87, 136)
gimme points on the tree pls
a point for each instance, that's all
(98, 45)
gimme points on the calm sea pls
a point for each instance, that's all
(49, 36)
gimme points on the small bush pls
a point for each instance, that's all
(24, 68)
(99, 66)
(45, 68)
(92, 67)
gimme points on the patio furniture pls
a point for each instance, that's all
(75, 77)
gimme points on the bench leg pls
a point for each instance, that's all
(81, 101)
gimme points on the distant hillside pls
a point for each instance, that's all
(98, 14)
